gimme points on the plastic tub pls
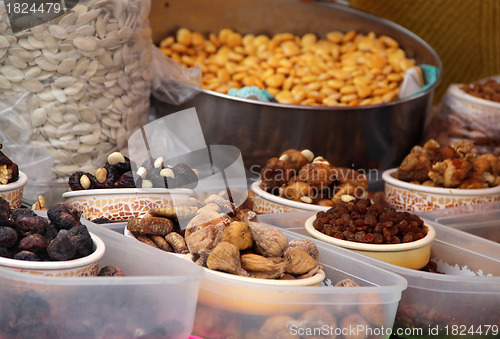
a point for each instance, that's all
(481, 220)
(156, 297)
(237, 309)
(467, 298)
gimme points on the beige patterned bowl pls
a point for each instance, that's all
(86, 266)
(267, 203)
(414, 254)
(121, 204)
(417, 198)
(13, 192)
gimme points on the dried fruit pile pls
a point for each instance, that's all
(300, 176)
(225, 238)
(26, 236)
(452, 166)
(118, 172)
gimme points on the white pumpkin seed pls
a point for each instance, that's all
(85, 44)
(33, 85)
(59, 32)
(66, 66)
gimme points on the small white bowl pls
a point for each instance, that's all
(85, 266)
(121, 204)
(414, 254)
(267, 203)
(410, 197)
(13, 192)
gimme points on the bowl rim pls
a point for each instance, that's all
(20, 182)
(283, 201)
(123, 191)
(95, 256)
(407, 246)
(389, 179)
(311, 281)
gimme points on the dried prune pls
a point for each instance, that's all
(101, 220)
(10, 171)
(185, 175)
(21, 212)
(106, 176)
(61, 247)
(110, 271)
(31, 224)
(64, 216)
(51, 232)
(4, 252)
(4, 212)
(8, 236)
(126, 180)
(82, 241)
(74, 181)
(31, 310)
(121, 166)
(27, 256)
(33, 243)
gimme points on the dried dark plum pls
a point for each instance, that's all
(101, 220)
(185, 175)
(8, 236)
(61, 247)
(50, 233)
(126, 180)
(31, 224)
(21, 212)
(4, 212)
(106, 176)
(74, 181)
(156, 179)
(123, 167)
(34, 243)
(82, 241)
(110, 271)
(31, 310)
(4, 252)
(27, 256)
(10, 171)
(64, 216)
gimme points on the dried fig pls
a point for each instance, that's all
(178, 212)
(151, 225)
(278, 327)
(346, 283)
(372, 309)
(225, 257)
(161, 243)
(238, 233)
(304, 244)
(299, 262)
(268, 241)
(110, 271)
(177, 242)
(263, 267)
(205, 239)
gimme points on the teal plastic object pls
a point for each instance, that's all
(252, 92)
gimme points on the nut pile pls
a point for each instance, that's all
(221, 237)
(361, 221)
(489, 90)
(343, 69)
(87, 71)
(452, 166)
(300, 176)
(26, 236)
(9, 172)
(118, 172)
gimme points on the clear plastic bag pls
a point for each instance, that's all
(77, 85)
(466, 117)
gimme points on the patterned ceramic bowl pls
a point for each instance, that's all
(414, 254)
(417, 198)
(121, 204)
(13, 192)
(86, 266)
(266, 203)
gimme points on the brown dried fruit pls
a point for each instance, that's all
(318, 317)
(372, 309)
(262, 267)
(126, 180)
(304, 244)
(268, 241)
(110, 271)
(8, 236)
(278, 327)
(225, 257)
(202, 220)
(354, 320)
(179, 212)
(299, 262)
(297, 191)
(275, 174)
(31, 224)
(161, 243)
(151, 225)
(61, 247)
(294, 158)
(224, 204)
(146, 240)
(318, 175)
(205, 239)
(64, 216)
(33, 243)
(177, 242)
(238, 233)
(346, 283)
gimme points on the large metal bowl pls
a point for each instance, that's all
(366, 137)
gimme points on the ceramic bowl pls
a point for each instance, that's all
(121, 204)
(415, 254)
(267, 203)
(403, 195)
(86, 266)
(13, 192)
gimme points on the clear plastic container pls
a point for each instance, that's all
(482, 220)
(155, 299)
(458, 304)
(235, 309)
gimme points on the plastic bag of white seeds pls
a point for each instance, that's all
(86, 66)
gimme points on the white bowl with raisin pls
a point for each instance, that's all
(13, 192)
